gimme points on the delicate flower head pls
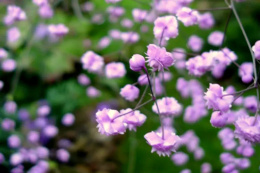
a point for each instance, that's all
(58, 30)
(143, 80)
(180, 158)
(163, 146)
(246, 72)
(112, 1)
(104, 42)
(137, 62)
(216, 98)
(3, 54)
(13, 35)
(8, 65)
(92, 62)
(83, 79)
(68, 119)
(248, 128)
(108, 123)
(195, 43)
(216, 38)
(14, 13)
(129, 92)
(139, 15)
(159, 58)
(256, 50)
(206, 168)
(130, 37)
(206, 21)
(115, 70)
(133, 119)
(14, 141)
(187, 16)
(46, 12)
(93, 92)
(63, 155)
(40, 2)
(168, 106)
(250, 103)
(166, 27)
(218, 119)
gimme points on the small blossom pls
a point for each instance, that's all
(137, 62)
(83, 79)
(180, 158)
(127, 23)
(206, 168)
(68, 119)
(63, 155)
(10, 107)
(108, 123)
(248, 128)
(3, 54)
(250, 103)
(40, 2)
(143, 80)
(256, 50)
(216, 100)
(115, 70)
(14, 141)
(163, 146)
(133, 119)
(129, 92)
(93, 92)
(159, 58)
(130, 37)
(195, 43)
(92, 62)
(206, 21)
(7, 124)
(50, 131)
(168, 106)
(246, 72)
(14, 13)
(139, 15)
(8, 65)
(104, 42)
(13, 35)
(166, 27)
(46, 12)
(112, 1)
(216, 38)
(58, 30)
(16, 159)
(218, 119)
(187, 16)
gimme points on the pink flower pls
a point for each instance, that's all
(68, 119)
(206, 21)
(216, 100)
(248, 128)
(137, 62)
(158, 58)
(256, 50)
(180, 158)
(112, 1)
(143, 80)
(108, 123)
(139, 15)
(45, 11)
(115, 70)
(246, 72)
(104, 42)
(13, 35)
(133, 119)
(130, 37)
(83, 79)
(187, 16)
(168, 106)
(195, 43)
(92, 92)
(8, 65)
(14, 13)
(58, 30)
(92, 62)
(166, 27)
(218, 119)
(129, 92)
(163, 146)
(216, 38)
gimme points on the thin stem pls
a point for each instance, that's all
(186, 53)
(133, 109)
(214, 9)
(160, 43)
(150, 84)
(226, 27)
(142, 97)
(244, 90)
(246, 38)
(164, 85)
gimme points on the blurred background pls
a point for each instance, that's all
(47, 73)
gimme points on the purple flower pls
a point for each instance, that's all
(199, 65)
(42, 152)
(206, 168)
(195, 43)
(92, 62)
(198, 153)
(14, 141)
(7, 124)
(14, 13)
(108, 123)
(8, 65)
(163, 146)
(218, 119)
(256, 50)
(187, 16)
(16, 159)
(104, 42)
(139, 15)
(159, 58)
(186, 171)
(115, 70)
(13, 35)
(137, 62)
(130, 37)
(216, 38)
(3, 53)
(83, 79)
(129, 92)
(112, 1)
(41, 31)
(248, 128)
(33, 136)
(143, 80)
(250, 103)
(88, 6)
(229, 168)
(226, 158)
(180, 158)
(115, 12)
(217, 100)
(115, 34)
(43, 110)
(168, 106)
(206, 21)
(46, 12)
(133, 119)
(92, 92)
(58, 30)
(68, 119)
(246, 72)
(166, 27)
(127, 23)
(10, 107)
(63, 155)
(50, 131)
(40, 2)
